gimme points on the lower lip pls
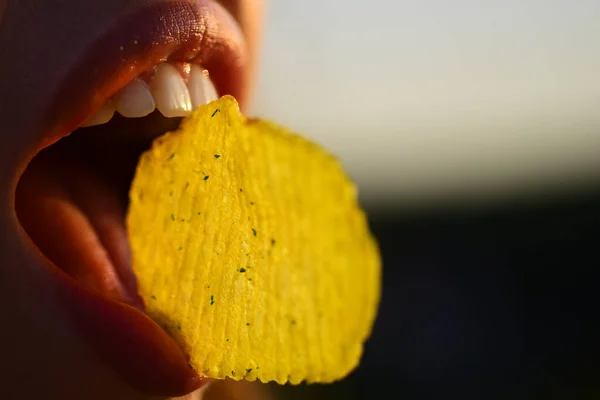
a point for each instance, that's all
(133, 345)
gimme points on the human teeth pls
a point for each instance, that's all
(167, 92)
(135, 100)
(170, 92)
(201, 89)
(102, 116)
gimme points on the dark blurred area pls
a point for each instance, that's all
(432, 104)
(495, 302)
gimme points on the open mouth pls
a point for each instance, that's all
(73, 196)
(154, 66)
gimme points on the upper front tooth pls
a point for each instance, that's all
(170, 92)
(201, 89)
(135, 100)
(101, 116)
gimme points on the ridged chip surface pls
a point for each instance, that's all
(251, 250)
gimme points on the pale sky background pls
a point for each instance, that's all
(426, 99)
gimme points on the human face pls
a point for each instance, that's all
(73, 324)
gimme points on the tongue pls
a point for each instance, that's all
(72, 200)
(78, 223)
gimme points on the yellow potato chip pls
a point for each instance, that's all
(251, 250)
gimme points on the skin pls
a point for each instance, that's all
(43, 354)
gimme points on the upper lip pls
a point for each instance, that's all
(197, 31)
(143, 35)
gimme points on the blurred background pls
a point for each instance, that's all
(473, 131)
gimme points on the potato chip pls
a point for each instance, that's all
(251, 250)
